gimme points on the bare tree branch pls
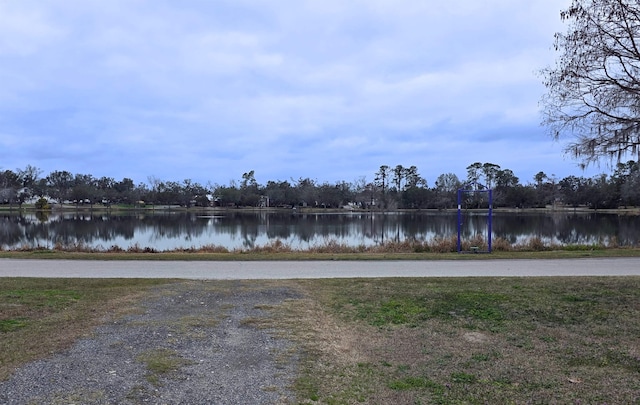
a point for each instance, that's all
(593, 91)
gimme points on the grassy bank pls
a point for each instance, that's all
(305, 256)
(409, 341)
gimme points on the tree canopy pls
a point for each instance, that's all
(395, 187)
(593, 91)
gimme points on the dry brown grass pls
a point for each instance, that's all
(274, 246)
(333, 246)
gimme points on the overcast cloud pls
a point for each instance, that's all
(330, 89)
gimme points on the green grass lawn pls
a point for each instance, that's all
(470, 341)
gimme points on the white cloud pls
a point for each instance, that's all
(24, 30)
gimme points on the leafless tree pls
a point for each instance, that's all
(593, 91)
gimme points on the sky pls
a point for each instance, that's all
(328, 90)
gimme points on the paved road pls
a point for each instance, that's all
(215, 270)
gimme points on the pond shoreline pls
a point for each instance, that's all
(99, 208)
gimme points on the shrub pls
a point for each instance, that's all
(537, 244)
(501, 245)
(274, 246)
(42, 204)
(444, 245)
(331, 246)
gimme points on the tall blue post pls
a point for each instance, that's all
(489, 232)
(459, 218)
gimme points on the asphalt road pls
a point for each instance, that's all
(251, 270)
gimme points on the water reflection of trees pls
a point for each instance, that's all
(173, 230)
(11, 231)
(569, 228)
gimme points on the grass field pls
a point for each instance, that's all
(476, 341)
(401, 341)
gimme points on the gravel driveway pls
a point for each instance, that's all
(190, 343)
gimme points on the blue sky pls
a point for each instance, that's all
(329, 90)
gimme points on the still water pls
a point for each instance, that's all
(239, 230)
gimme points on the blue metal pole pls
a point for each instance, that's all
(490, 216)
(459, 219)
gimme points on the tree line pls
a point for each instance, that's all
(396, 187)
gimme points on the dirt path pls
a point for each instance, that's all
(190, 343)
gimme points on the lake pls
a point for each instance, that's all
(244, 230)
